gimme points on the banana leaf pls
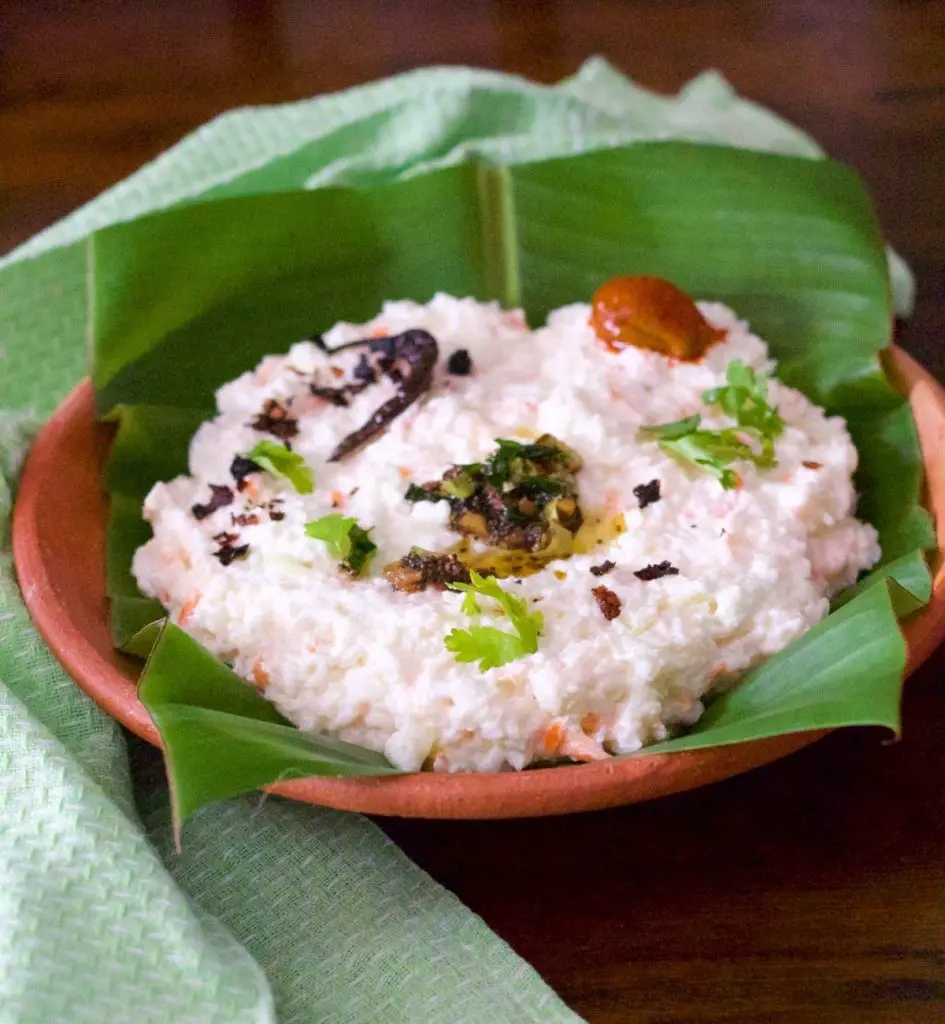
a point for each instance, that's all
(185, 299)
(221, 737)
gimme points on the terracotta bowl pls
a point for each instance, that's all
(59, 547)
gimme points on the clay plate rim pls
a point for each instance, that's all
(58, 545)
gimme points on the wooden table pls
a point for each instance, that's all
(811, 891)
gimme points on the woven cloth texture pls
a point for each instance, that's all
(274, 911)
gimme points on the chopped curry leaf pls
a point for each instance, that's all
(346, 539)
(489, 646)
(416, 493)
(281, 461)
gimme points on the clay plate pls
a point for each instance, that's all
(59, 551)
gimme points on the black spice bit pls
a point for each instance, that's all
(275, 419)
(421, 569)
(228, 550)
(602, 569)
(607, 601)
(228, 554)
(245, 519)
(241, 468)
(408, 360)
(656, 571)
(647, 494)
(364, 371)
(220, 496)
(275, 514)
(336, 396)
(460, 363)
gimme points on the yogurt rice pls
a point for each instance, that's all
(671, 586)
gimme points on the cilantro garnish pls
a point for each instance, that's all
(280, 460)
(745, 399)
(489, 646)
(712, 450)
(346, 539)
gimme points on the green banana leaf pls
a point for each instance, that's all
(910, 572)
(185, 299)
(221, 737)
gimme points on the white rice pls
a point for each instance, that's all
(366, 663)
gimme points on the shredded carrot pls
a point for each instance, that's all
(260, 675)
(379, 332)
(360, 713)
(187, 609)
(337, 499)
(404, 471)
(590, 723)
(551, 737)
(579, 747)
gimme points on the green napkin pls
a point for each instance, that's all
(274, 911)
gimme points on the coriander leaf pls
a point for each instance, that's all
(346, 539)
(712, 451)
(745, 399)
(489, 646)
(670, 431)
(281, 461)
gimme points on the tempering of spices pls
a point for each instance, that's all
(598, 528)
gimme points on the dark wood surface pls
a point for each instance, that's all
(811, 891)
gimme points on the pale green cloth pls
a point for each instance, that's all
(274, 911)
